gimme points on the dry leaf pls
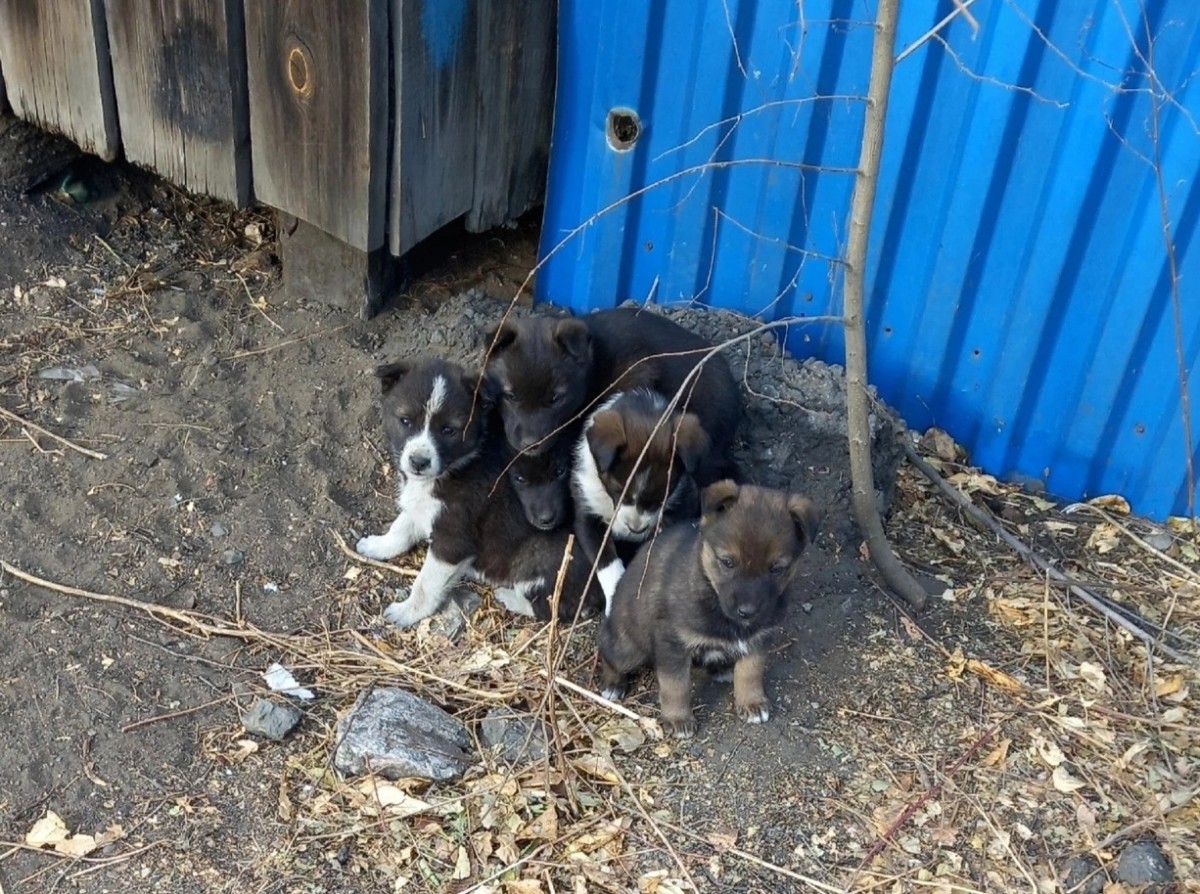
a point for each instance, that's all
(1064, 781)
(1114, 503)
(486, 658)
(392, 798)
(1093, 675)
(995, 677)
(974, 482)
(76, 846)
(1169, 686)
(955, 545)
(1049, 751)
(1060, 526)
(543, 826)
(1104, 538)
(722, 840)
(913, 631)
(998, 756)
(523, 886)
(50, 829)
(598, 766)
(624, 732)
(1086, 817)
(462, 866)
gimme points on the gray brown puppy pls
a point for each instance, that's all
(708, 593)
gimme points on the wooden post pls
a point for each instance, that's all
(57, 71)
(517, 40)
(317, 75)
(179, 70)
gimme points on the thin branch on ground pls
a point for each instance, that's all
(857, 398)
(26, 424)
(986, 519)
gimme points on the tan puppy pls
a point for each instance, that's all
(708, 593)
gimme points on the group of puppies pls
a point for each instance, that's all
(617, 426)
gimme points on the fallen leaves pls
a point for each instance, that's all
(51, 832)
(958, 663)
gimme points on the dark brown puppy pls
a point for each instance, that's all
(708, 593)
(551, 370)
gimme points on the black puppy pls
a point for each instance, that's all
(451, 459)
(708, 593)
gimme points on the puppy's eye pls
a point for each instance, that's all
(557, 399)
(449, 430)
(725, 561)
(560, 471)
(520, 479)
(406, 421)
(508, 395)
(778, 568)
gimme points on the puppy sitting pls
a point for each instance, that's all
(708, 593)
(451, 460)
(628, 478)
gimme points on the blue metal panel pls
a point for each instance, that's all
(1019, 293)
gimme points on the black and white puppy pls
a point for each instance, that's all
(451, 459)
(708, 593)
(633, 474)
(550, 371)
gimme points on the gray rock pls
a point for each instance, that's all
(232, 557)
(218, 530)
(270, 719)
(1083, 875)
(1160, 540)
(517, 738)
(397, 734)
(1144, 863)
(452, 620)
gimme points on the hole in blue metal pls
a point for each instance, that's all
(624, 128)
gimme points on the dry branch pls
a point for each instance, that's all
(1026, 552)
(26, 424)
(857, 398)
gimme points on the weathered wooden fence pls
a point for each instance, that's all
(375, 121)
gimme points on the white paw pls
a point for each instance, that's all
(613, 693)
(754, 714)
(724, 676)
(405, 614)
(378, 546)
(514, 601)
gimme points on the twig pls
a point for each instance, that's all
(240, 355)
(9, 414)
(256, 305)
(916, 804)
(172, 715)
(598, 699)
(1042, 565)
(758, 861)
(857, 400)
(960, 8)
(1188, 571)
(363, 560)
(112, 252)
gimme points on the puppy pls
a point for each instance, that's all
(628, 479)
(542, 484)
(550, 370)
(708, 593)
(451, 459)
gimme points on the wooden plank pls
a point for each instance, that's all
(317, 75)
(517, 40)
(179, 70)
(57, 70)
(436, 72)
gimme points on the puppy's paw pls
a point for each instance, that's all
(613, 693)
(723, 675)
(377, 546)
(405, 614)
(515, 601)
(680, 729)
(755, 712)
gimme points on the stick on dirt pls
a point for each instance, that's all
(857, 399)
(8, 414)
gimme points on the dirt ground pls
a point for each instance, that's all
(231, 438)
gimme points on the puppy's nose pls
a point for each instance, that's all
(418, 462)
(746, 611)
(547, 519)
(642, 530)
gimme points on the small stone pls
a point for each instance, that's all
(437, 337)
(1082, 875)
(397, 734)
(270, 719)
(218, 530)
(1144, 863)
(232, 557)
(514, 735)
(1160, 540)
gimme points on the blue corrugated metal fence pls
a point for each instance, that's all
(1019, 291)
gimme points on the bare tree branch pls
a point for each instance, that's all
(857, 399)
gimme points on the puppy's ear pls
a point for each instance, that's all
(805, 517)
(488, 388)
(391, 373)
(606, 438)
(691, 441)
(498, 337)
(719, 497)
(573, 338)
